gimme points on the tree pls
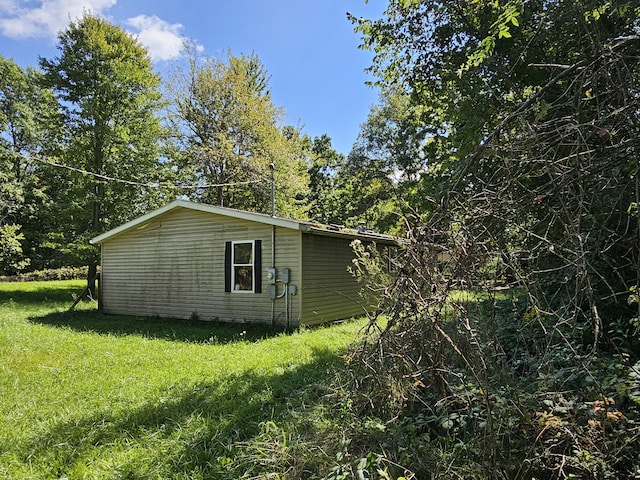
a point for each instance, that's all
(386, 163)
(505, 138)
(509, 110)
(108, 95)
(26, 122)
(324, 198)
(228, 134)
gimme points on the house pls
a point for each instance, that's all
(189, 260)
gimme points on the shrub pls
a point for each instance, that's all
(64, 273)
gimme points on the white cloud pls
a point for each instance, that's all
(162, 39)
(45, 18)
(21, 19)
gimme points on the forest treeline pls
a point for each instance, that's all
(94, 137)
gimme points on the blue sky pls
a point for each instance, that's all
(308, 46)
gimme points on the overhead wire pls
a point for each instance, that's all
(140, 184)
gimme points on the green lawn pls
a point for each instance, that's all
(85, 395)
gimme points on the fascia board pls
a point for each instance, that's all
(227, 212)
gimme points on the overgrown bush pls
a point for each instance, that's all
(516, 354)
(481, 383)
(64, 273)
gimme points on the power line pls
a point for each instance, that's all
(140, 184)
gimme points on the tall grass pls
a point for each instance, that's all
(84, 395)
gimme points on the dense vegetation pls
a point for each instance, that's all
(504, 150)
(527, 182)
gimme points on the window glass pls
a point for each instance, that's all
(242, 264)
(243, 278)
(242, 253)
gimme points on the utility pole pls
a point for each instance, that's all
(272, 167)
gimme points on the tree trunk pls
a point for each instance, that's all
(91, 278)
(96, 210)
(92, 263)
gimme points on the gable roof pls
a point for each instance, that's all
(307, 227)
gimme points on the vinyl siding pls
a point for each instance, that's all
(329, 291)
(173, 266)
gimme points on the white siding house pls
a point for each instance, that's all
(188, 259)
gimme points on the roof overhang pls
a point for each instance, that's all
(306, 227)
(177, 204)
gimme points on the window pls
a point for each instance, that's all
(243, 266)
